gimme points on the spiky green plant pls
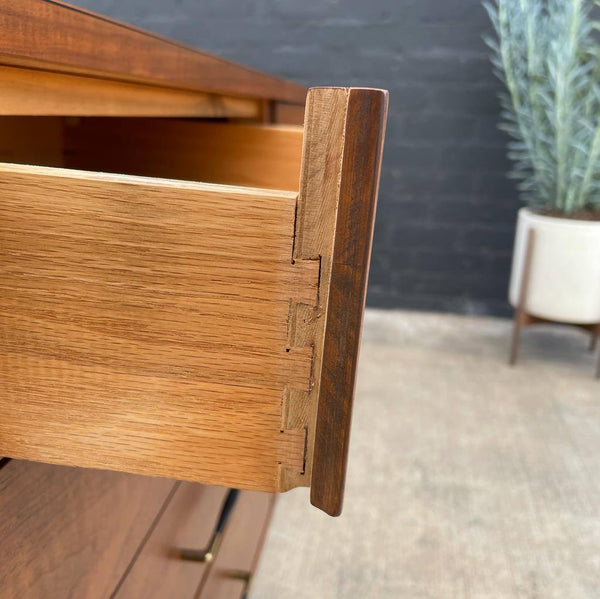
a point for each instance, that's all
(546, 55)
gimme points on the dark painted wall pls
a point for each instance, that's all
(445, 222)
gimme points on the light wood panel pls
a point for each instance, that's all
(254, 155)
(52, 35)
(143, 325)
(69, 532)
(35, 92)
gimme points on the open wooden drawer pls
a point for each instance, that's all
(200, 331)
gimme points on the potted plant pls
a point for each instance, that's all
(545, 54)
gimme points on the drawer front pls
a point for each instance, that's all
(187, 522)
(195, 331)
(230, 576)
(71, 533)
(187, 527)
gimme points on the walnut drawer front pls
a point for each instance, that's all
(187, 522)
(71, 533)
(230, 575)
(198, 331)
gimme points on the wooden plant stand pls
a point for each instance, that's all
(522, 318)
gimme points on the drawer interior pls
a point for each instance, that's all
(209, 150)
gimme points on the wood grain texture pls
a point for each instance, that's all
(143, 325)
(238, 154)
(187, 522)
(34, 92)
(359, 182)
(343, 138)
(242, 543)
(69, 532)
(56, 36)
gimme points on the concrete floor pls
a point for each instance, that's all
(467, 478)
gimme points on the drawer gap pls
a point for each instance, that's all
(223, 151)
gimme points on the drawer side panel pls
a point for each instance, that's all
(143, 325)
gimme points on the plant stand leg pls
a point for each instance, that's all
(596, 335)
(594, 338)
(521, 317)
(516, 338)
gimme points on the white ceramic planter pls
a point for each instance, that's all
(564, 283)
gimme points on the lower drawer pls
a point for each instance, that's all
(68, 532)
(187, 523)
(229, 577)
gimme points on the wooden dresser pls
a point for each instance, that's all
(184, 251)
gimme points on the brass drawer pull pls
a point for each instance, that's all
(208, 555)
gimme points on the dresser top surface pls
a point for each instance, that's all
(55, 36)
